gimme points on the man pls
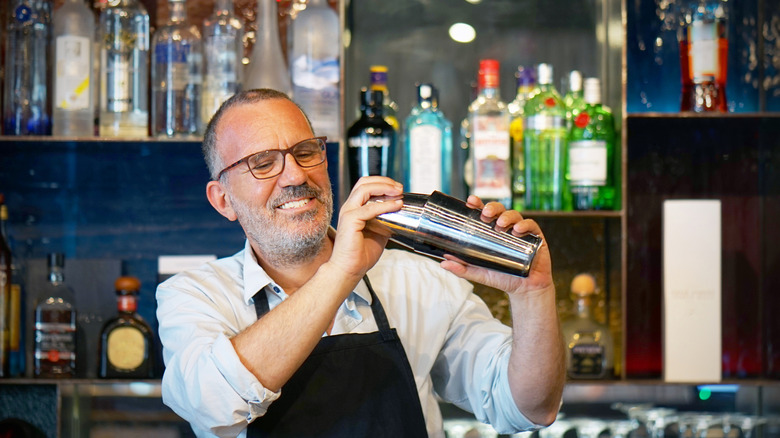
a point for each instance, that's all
(313, 332)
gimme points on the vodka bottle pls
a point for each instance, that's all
(370, 140)
(123, 36)
(222, 52)
(489, 125)
(55, 325)
(573, 99)
(526, 82)
(74, 31)
(315, 69)
(592, 153)
(267, 67)
(427, 146)
(589, 345)
(26, 107)
(544, 140)
(177, 76)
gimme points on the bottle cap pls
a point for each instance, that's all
(424, 93)
(592, 93)
(575, 81)
(127, 283)
(525, 77)
(583, 285)
(488, 73)
(544, 73)
(378, 77)
(55, 259)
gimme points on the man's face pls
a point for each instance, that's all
(285, 217)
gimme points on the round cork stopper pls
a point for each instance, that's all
(127, 283)
(583, 285)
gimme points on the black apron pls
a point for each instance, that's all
(352, 385)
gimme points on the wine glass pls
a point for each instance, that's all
(746, 423)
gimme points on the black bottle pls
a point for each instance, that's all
(370, 140)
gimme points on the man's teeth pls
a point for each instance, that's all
(294, 204)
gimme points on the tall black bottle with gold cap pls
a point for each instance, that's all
(126, 345)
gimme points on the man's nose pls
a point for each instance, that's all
(292, 174)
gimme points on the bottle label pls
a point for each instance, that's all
(425, 159)
(55, 341)
(542, 122)
(126, 348)
(370, 155)
(126, 303)
(172, 62)
(703, 52)
(116, 86)
(316, 90)
(490, 151)
(588, 163)
(73, 69)
(587, 360)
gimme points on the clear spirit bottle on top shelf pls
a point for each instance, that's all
(177, 76)
(123, 37)
(55, 325)
(267, 67)
(526, 82)
(222, 52)
(427, 145)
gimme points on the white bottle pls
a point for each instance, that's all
(267, 68)
(222, 53)
(314, 67)
(73, 102)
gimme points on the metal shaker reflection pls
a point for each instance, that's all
(439, 224)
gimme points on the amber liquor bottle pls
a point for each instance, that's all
(55, 325)
(126, 340)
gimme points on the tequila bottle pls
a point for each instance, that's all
(126, 345)
(177, 76)
(526, 82)
(427, 145)
(592, 153)
(222, 53)
(588, 342)
(544, 140)
(123, 37)
(490, 144)
(55, 325)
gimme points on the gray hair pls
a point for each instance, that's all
(209, 145)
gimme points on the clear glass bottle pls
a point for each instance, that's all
(490, 144)
(703, 40)
(126, 344)
(573, 99)
(427, 145)
(73, 101)
(123, 36)
(177, 76)
(55, 325)
(223, 49)
(370, 139)
(526, 82)
(267, 67)
(589, 344)
(544, 139)
(315, 67)
(592, 153)
(26, 106)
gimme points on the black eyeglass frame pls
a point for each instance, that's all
(321, 140)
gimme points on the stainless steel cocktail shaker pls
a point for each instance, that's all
(439, 224)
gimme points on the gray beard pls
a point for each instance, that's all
(280, 245)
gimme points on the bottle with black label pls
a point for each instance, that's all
(370, 140)
(126, 340)
(588, 342)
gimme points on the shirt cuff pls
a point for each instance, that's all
(241, 379)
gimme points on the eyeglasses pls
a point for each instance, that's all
(268, 164)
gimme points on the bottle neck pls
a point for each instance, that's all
(584, 308)
(56, 276)
(178, 12)
(223, 7)
(126, 303)
(267, 16)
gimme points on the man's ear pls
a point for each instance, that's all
(219, 200)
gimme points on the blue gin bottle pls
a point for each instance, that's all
(427, 145)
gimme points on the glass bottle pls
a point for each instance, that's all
(123, 36)
(588, 342)
(126, 339)
(222, 52)
(490, 144)
(544, 139)
(370, 139)
(573, 100)
(177, 76)
(427, 145)
(267, 67)
(703, 39)
(26, 107)
(74, 31)
(592, 153)
(389, 107)
(14, 302)
(6, 279)
(315, 67)
(55, 325)
(526, 82)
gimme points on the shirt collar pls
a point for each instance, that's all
(255, 278)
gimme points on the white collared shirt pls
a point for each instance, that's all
(457, 351)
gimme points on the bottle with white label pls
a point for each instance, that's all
(222, 53)
(490, 145)
(315, 67)
(73, 102)
(123, 37)
(592, 154)
(427, 146)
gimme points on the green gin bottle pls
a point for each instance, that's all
(544, 140)
(526, 82)
(592, 154)
(573, 99)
